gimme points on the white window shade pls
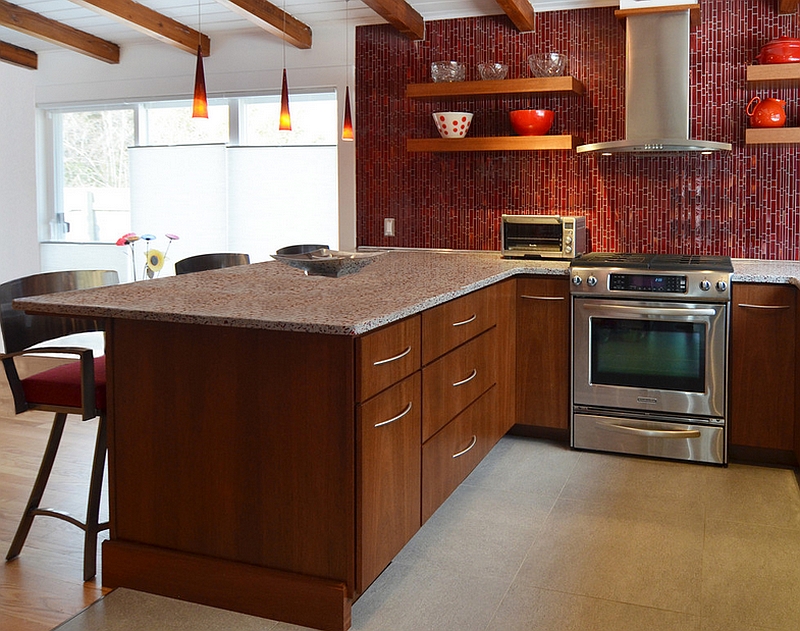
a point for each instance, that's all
(281, 196)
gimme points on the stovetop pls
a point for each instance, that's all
(659, 262)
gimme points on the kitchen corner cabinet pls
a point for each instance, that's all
(773, 76)
(543, 352)
(762, 367)
(505, 87)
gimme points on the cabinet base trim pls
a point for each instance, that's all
(250, 589)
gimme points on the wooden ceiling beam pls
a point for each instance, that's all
(401, 15)
(272, 19)
(18, 56)
(521, 13)
(151, 23)
(40, 27)
(787, 6)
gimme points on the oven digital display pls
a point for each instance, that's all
(666, 283)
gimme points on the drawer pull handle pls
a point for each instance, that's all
(392, 359)
(472, 376)
(467, 321)
(543, 297)
(396, 418)
(471, 445)
(746, 306)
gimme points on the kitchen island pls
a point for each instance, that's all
(241, 471)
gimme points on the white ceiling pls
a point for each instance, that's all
(216, 19)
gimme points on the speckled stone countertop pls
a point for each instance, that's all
(274, 296)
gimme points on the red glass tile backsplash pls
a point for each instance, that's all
(743, 203)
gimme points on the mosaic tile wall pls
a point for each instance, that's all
(745, 203)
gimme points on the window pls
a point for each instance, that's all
(246, 187)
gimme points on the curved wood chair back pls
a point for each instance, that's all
(202, 262)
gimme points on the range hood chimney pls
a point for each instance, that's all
(656, 88)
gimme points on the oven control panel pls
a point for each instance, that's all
(696, 285)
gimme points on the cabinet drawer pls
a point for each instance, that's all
(386, 356)
(454, 381)
(388, 479)
(454, 452)
(453, 323)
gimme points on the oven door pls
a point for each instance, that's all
(653, 356)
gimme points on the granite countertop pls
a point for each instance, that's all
(271, 295)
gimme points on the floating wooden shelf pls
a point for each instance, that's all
(772, 136)
(777, 75)
(494, 88)
(494, 143)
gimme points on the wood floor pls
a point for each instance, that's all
(43, 586)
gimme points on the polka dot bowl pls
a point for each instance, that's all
(452, 124)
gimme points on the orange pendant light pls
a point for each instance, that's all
(200, 103)
(347, 125)
(286, 119)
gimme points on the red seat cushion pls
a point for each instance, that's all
(62, 385)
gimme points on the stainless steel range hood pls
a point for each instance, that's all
(656, 88)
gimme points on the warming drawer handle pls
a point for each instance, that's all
(392, 359)
(395, 418)
(542, 297)
(652, 311)
(471, 445)
(765, 307)
(472, 376)
(651, 433)
(467, 321)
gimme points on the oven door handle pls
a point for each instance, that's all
(651, 311)
(650, 433)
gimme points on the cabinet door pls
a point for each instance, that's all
(386, 356)
(543, 352)
(454, 381)
(388, 480)
(762, 366)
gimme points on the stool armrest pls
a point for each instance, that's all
(86, 357)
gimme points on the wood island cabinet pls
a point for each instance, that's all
(762, 372)
(543, 352)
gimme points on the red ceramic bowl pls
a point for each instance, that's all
(531, 122)
(784, 50)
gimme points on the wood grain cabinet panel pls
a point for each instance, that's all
(388, 477)
(453, 323)
(386, 356)
(762, 366)
(454, 381)
(450, 456)
(543, 352)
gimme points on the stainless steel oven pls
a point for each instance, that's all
(650, 349)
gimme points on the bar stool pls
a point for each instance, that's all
(77, 387)
(202, 262)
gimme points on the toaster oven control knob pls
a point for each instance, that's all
(591, 281)
(576, 280)
(721, 285)
(705, 285)
(568, 241)
(568, 249)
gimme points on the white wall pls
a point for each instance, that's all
(244, 62)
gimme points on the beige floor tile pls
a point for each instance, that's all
(482, 531)
(423, 598)
(635, 555)
(751, 575)
(525, 609)
(756, 495)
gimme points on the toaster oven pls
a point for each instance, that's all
(543, 236)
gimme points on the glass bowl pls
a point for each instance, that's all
(492, 71)
(325, 262)
(448, 71)
(547, 64)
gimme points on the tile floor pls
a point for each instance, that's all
(540, 537)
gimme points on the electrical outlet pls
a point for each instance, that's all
(388, 227)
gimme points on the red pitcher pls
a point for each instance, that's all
(766, 112)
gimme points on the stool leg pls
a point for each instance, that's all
(93, 507)
(38, 486)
